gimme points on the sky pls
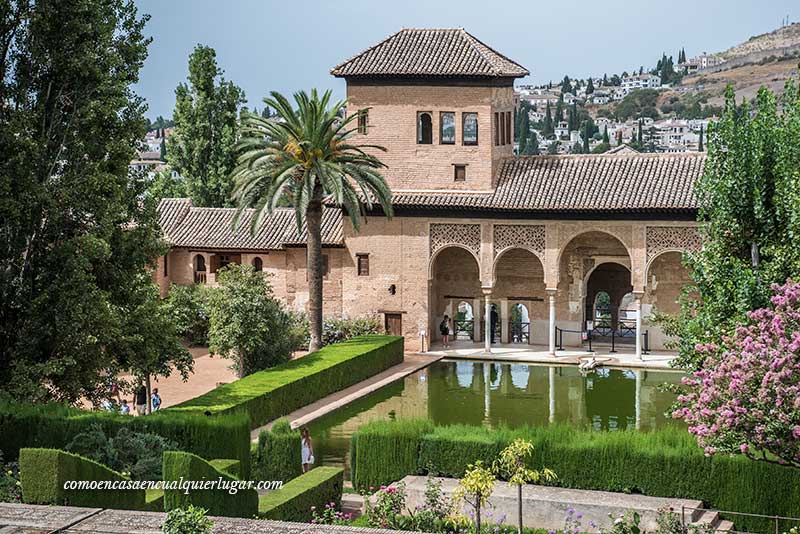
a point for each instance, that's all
(265, 45)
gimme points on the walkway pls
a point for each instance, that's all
(514, 352)
(411, 363)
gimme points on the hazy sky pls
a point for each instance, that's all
(268, 45)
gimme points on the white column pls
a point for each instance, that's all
(552, 379)
(551, 295)
(637, 306)
(487, 321)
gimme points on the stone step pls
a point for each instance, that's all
(725, 526)
(353, 503)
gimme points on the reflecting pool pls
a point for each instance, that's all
(503, 394)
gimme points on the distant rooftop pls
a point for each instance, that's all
(430, 52)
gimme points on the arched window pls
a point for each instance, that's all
(199, 263)
(258, 265)
(424, 129)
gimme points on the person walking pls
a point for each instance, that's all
(306, 449)
(155, 400)
(444, 329)
(140, 400)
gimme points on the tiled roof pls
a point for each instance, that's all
(430, 52)
(579, 184)
(187, 226)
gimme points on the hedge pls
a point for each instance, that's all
(661, 463)
(43, 473)
(385, 451)
(55, 425)
(272, 393)
(187, 467)
(278, 455)
(231, 467)
(294, 500)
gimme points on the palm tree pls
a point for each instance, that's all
(305, 157)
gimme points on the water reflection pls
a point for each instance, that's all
(495, 394)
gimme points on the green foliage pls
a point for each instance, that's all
(388, 509)
(191, 520)
(138, 454)
(294, 501)
(336, 329)
(228, 466)
(475, 488)
(749, 198)
(278, 455)
(55, 426)
(187, 308)
(272, 393)
(75, 295)
(10, 486)
(663, 463)
(510, 465)
(638, 103)
(206, 130)
(237, 501)
(246, 322)
(43, 473)
(384, 451)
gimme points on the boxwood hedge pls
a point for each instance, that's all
(272, 393)
(187, 467)
(662, 463)
(294, 500)
(278, 453)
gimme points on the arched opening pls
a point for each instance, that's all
(199, 262)
(464, 321)
(610, 301)
(520, 327)
(424, 129)
(520, 289)
(258, 264)
(455, 292)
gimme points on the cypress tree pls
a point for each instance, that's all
(163, 150)
(605, 135)
(700, 144)
(547, 127)
(590, 87)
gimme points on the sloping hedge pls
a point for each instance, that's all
(231, 467)
(385, 451)
(189, 468)
(54, 426)
(278, 456)
(294, 500)
(662, 463)
(43, 473)
(272, 393)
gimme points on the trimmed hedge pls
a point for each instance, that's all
(385, 451)
(231, 467)
(662, 463)
(187, 467)
(278, 456)
(55, 425)
(272, 393)
(43, 473)
(294, 500)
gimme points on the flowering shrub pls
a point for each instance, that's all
(387, 512)
(572, 522)
(330, 516)
(669, 522)
(746, 398)
(191, 520)
(10, 487)
(336, 329)
(627, 523)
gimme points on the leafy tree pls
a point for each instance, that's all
(745, 398)
(616, 80)
(532, 145)
(552, 148)
(165, 185)
(201, 148)
(79, 235)
(635, 103)
(246, 322)
(510, 465)
(303, 158)
(475, 488)
(749, 197)
(566, 86)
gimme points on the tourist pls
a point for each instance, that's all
(155, 400)
(140, 400)
(306, 450)
(493, 321)
(124, 409)
(444, 329)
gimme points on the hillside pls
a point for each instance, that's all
(780, 38)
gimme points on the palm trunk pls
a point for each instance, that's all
(314, 261)
(149, 409)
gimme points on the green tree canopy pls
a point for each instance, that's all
(206, 114)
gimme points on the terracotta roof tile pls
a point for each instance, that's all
(187, 226)
(430, 52)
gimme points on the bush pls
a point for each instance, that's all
(294, 501)
(663, 463)
(384, 451)
(10, 487)
(278, 455)
(137, 454)
(184, 466)
(272, 393)
(192, 520)
(55, 425)
(43, 473)
(338, 329)
(187, 306)
(226, 465)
